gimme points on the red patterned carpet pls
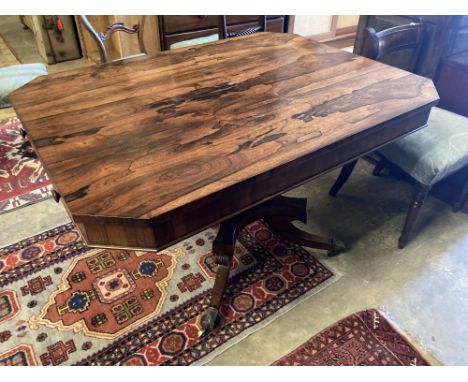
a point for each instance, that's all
(62, 303)
(361, 339)
(22, 177)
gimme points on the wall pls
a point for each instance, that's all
(309, 25)
(322, 25)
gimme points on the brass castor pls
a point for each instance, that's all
(209, 321)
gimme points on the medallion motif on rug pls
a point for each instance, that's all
(70, 304)
(106, 293)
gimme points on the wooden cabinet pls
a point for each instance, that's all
(452, 83)
(442, 57)
(163, 31)
(173, 29)
(54, 43)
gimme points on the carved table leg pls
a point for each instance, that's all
(279, 212)
(223, 250)
(287, 230)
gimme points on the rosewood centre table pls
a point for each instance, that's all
(148, 151)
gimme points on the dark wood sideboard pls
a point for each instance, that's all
(443, 57)
(174, 29)
(444, 36)
(452, 83)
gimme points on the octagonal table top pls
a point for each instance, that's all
(140, 138)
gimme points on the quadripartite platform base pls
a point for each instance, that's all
(279, 213)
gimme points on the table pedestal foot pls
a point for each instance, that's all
(284, 227)
(223, 251)
(279, 213)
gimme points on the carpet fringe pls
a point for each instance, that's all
(416, 341)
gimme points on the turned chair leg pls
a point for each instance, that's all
(421, 193)
(458, 205)
(381, 164)
(343, 177)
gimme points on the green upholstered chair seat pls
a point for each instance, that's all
(195, 41)
(431, 154)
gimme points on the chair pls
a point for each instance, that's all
(428, 155)
(100, 37)
(223, 29)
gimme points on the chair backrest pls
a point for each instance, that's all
(100, 37)
(378, 44)
(223, 29)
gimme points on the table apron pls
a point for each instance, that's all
(176, 225)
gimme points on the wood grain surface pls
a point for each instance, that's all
(181, 140)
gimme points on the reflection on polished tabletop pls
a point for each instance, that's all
(147, 151)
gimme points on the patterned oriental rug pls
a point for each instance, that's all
(62, 303)
(361, 339)
(22, 178)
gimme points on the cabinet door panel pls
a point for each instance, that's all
(276, 25)
(179, 24)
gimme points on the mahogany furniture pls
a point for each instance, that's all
(442, 54)
(443, 36)
(378, 45)
(445, 40)
(100, 38)
(55, 37)
(174, 29)
(427, 156)
(452, 83)
(148, 151)
(223, 28)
